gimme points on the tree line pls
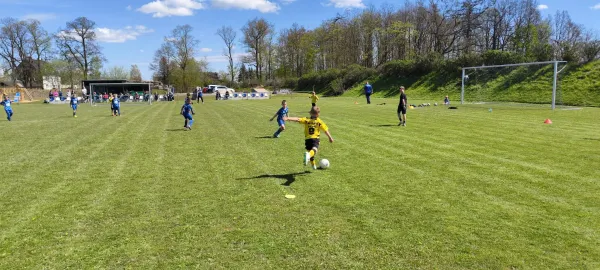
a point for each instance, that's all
(28, 52)
(419, 35)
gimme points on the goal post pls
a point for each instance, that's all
(556, 71)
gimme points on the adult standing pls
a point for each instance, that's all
(84, 93)
(402, 106)
(368, 92)
(199, 95)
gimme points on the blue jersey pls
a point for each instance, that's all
(115, 102)
(282, 113)
(368, 89)
(74, 101)
(6, 104)
(187, 109)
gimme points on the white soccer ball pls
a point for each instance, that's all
(324, 164)
(435, 104)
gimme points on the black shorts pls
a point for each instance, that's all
(314, 104)
(401, 109)
(309, 144)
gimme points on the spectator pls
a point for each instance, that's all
(50, 96)
(104, 97)
(368, 92)
(226, 94)
(446, 101)
(155, 96)
(84, 93)
(55, 94)
(218, 95)
(60, 95)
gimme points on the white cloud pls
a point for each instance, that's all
(264, 6)
(206, 50)
(167, 8)
(121, 35)
(596, 7)
(542, 7)
(346, 3)
(287, 2)
(40, 16)
(129, 7)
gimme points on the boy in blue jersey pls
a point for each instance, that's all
(74, 103)
(187, 111)
(116, 105)
(281, 113)
(7, 108)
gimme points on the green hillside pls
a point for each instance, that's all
(578, 85)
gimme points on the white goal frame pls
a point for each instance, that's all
(555, 76)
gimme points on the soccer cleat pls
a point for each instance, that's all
(399, 124)
(306, 158)
(75, 116)
(314, 166)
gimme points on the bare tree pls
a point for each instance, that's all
(164, 63)
(228, 35)
(41, 44)
(134, 74)
(255, 34)
(184, 45)
(78, 40)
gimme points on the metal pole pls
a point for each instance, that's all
(554, 85)
(462, 90)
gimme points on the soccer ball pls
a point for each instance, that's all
(324, 164)
(435, 104)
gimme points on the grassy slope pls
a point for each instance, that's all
(454, 189)
(578, 86)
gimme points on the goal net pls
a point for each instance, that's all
(524, 83)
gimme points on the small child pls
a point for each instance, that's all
(7, 108)
(74, 103)
(187, 111)
(116, 105)
(312, 131)
(281, 113)
(314, 98)
(446, 101)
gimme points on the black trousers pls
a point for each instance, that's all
(200, 98)
(368, 98)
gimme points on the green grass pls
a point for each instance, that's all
(579, 85)
(454, 189)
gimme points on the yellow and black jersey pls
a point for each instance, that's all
(313, 127)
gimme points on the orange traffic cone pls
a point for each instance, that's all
(355, 102)
(548, 121)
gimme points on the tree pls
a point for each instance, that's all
(78, 40)
(134, 74)
(115, 73)
(41, 45)
(164, 63)
(184, 45)
(255, 33)
(228, 35)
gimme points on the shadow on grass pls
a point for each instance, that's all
(591, 139)
(289, 178)
(265, 137)
(175, 129)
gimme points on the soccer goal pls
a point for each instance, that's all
(533, 83)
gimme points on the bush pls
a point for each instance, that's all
(397, 68)
(320, 80)
(355, 74)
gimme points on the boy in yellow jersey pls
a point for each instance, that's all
(110, 99)
(314, 98)
(312, 131)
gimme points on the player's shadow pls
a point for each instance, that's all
(386, 125)
(289, 178)
(175, 129)
(264, 137)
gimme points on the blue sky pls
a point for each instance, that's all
(131, 30)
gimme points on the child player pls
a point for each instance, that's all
(312, 131)
(73, 103)
(116, 106)
(187, 111)
(281, 113)
(7, 108)
(314, 98)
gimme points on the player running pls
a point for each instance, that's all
(116, 106)
(281, 113)
(312, 131)
(7, 108)
(74, 103)
(402, 107)
(314, 98)
(187, 111)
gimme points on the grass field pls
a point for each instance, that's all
(454, 189)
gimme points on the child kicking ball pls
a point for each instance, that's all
(312, 132)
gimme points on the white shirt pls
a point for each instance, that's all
(83, 91)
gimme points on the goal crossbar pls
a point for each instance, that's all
(554, 84)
